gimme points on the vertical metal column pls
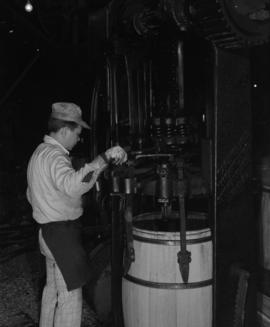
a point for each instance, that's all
(116, 260)
(214, 181)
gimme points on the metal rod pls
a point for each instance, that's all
(129, 256)
(145, 94)
(184, 256)
(115, 104)
(139, 102)
(116, 259)
(183, 242)
(93, 118)
(150, 91)
(214, 186)
(180, 74)
(130, 98)
(109, 94)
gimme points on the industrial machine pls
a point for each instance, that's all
(173, 87)
(173, 83)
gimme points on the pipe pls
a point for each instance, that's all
(93, 118)
(214, 186)
(115, 104)
(180, 75)
(109, 93)
(130, 97)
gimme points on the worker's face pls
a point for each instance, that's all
(72, 137)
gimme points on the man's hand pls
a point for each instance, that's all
(117, 154)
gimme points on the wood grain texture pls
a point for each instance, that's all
(145, 306)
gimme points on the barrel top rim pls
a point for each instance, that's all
(172, 236)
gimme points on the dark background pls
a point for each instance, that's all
(40, 64)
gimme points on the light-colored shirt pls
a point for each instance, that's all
(54, 187)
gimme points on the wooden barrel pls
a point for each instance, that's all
(153, 292)
(263, 296)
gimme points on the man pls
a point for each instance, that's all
(54, 191)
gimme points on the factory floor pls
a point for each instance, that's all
(21, 281)
(20, 290)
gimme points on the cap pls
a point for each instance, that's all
(68, 111)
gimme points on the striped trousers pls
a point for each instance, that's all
(59, 307)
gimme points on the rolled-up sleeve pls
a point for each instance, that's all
(69, 181)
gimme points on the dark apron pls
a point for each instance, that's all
(63, 238)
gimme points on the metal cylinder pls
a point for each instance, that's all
(164, 186)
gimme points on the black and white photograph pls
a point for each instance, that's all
(134, 163)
